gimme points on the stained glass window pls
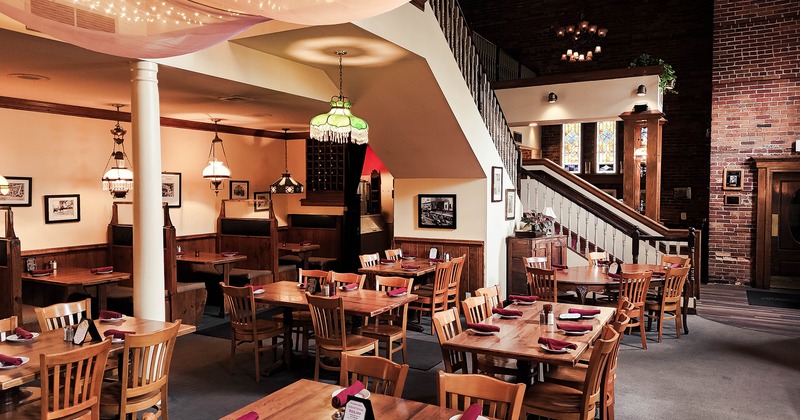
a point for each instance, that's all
(606, 144)
(571, 147)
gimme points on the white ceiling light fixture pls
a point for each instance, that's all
(339, 125)
(217, 170)
(118, 179)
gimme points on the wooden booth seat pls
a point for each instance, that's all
(322, 229)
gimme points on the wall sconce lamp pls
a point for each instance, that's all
(552, 98)
(641, 90)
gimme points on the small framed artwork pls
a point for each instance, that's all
(497, 184)
(240, 190)
(62, 208)
(171, 188)
(511, 200)
(19, 192)
(732, 179)
(437, 211)
(261, 201)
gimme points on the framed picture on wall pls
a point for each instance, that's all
(261, 201)
(497, 184)
(732, 179)
(62, 208)
(510, 203)
(437, 211)
(19, 192)
(240, 190)
(171, 188)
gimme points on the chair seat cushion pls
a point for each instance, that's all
(553, 397)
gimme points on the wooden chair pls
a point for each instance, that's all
(70, 383)
(247, 331)
(327, 313)
(447, 325)
(394, 254)
(492, 295)
(301, 319)
(378, 375)
(542, 283)
(668, 306)
(555, 401)
(434, 300)
(476, 311)
(454, 285)
(633, 286)
(342, 279)
(594, 257)
(145, 366)
(499, 399)
(390, 328)
(369, 260)
(60, 315)
(536, 262)
(675, 259)
(7, 326)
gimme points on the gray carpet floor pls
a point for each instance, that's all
(716, 372)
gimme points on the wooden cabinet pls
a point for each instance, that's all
(552, 247)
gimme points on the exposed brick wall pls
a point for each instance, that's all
(756, 80)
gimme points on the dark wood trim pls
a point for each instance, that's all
(578, 77)
(441, 241)
(112, 115)
(64, 250)
(211, 235)
(420, 4)
(473, 274)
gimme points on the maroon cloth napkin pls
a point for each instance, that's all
(397, 292)
(584, 311)
(523, 298)
(109, 314)
(507, 312)
(350, 286)
(102, 269)
(614, 276)
(472, 412)
(408, 257)
(305, 243)
(676, 265)
(483, 327)
(256, 287)
(387, 261)
(559, 266)
(573, 326)
(43, 271)
(117, 333)
(341, 398)
(249, 416)
(10, 360)
(229, 253)
(180, 253)
(409, 267)
(22, 333)
(556, 344)
(436, 260)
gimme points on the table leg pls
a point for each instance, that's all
(304, 255)
(226, 278)
(524, 372)
(357, 323)
(581, 291)
(685, 309)
(288, 344)
(102, 296)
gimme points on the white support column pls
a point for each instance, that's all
(148, 216)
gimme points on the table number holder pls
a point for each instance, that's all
(358, 408)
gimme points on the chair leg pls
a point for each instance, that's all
(405, 351)
(642, 332)
(678, 321)
(316, 366)
(660, 325)
(257, 351)
(389, 348)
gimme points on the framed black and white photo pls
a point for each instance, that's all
(261, 201)
(732, 179)
(497, 184)
(240, 190)
(437, 211)
(19, 192)
(171, 188)
(511, 200)
(62, 208)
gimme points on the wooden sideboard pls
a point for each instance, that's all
(552, 247)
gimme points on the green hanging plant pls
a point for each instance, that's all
(668, 76)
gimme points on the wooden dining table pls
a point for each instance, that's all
(214, 260)
(302, 250)
(583, 279)
(421, 267)
(518, 338)
(306, 399)
(68, 277)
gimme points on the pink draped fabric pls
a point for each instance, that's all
(310, 12)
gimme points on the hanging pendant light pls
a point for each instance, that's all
(339, 125)
(118, 179)
(286, 184)
(4, 187)
(217, 170)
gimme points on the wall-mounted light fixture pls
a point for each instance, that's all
(552, 98)
(641, 90)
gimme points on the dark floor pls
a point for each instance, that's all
(727, 304)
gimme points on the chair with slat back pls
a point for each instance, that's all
(343, 279)
(145, 365)
(447, 325)
(7, 326)
(536, 262)
(390, 327)
(668, 305)
(379, 375)
(301, 319)
(594, 257)
(454, 285)
(327, 314)
(434, 300)
(492, 295)
(394, 254)
(498, 399)
(476, 311)
(248, 332)
(542, 283)
(60, 315)
(369, 260)
(675, 259)
(634, 287)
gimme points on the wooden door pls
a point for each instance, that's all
(785, 231)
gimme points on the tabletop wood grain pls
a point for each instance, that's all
(396, 268)
(297, 248)
(209, 258)
(360, 302)
(593, 276)
(76, 276)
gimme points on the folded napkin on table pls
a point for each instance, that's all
(483, 327)
(584, 311)
(180, 253)
(231, 253)
(408, 257)
(614, 276)
(256, 287)
(117, 333)
(104, 314)
(573, 326)
(43, 271)
(676, 265)
(397, 292)
(10, 360)
(350, 286)
(507, 312)
(305, 243)
(436, 260)
(556, 344)
(387, 261)
(249, 416)
(409, 266)
(472, 412)
(22, 333)
(341, 398)
(559, 266)
(523, 298)
(102, 269)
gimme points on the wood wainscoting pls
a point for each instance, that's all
(472, 277)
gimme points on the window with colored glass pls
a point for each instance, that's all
(606, 147)
(571, 147)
